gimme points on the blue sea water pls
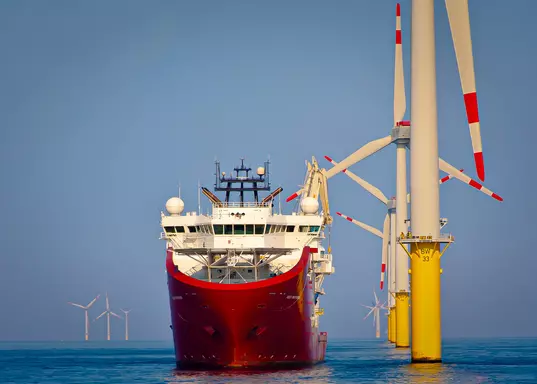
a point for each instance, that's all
(347, 361)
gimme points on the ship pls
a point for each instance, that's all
(245, 280)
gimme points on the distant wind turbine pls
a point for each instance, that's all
(85, 308)
(375, 310)
(107, 312)
(126, 312)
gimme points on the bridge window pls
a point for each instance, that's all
(218, 229)
(169, 229)
(304, 228)
(228, 229)
(314, 228)
(209, 229)
(267, 229)
(259, 228)
(192, 229)
(290, 228)
(249, 229)
(180, 229)
(273, 228)
(239, 229)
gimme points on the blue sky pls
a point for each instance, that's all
(107, 106)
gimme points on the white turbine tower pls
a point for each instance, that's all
(375, 310)
(85, 308)
(107, 312)
(126, 312)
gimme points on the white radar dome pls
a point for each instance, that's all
(309, 205)
(175, 206)
(260, 171)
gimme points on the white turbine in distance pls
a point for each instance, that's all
(107, 312)
(126, 312)
(85, 308)
(375, 310)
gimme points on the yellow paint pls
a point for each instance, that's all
(402, 326)
(425, 288)
(389, 325)
(393, 317)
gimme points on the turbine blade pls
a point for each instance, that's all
(77, 305)
(368, 228)
(376, 298)
(459, 22)
(116, 315)
(364, 184)
(370, 312)
(448, 168)
(448, 177)
(365, 151)
(399, 97)
(101, 315)
(294, 195)
(385, 245)
(93, 301)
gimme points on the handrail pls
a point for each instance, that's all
(238, 204)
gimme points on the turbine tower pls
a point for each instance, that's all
(107, 312)
(85, 308)
(126, 312)
(375, 310)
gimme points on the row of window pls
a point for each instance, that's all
(241, 229)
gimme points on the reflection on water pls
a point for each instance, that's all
(428, 373)
(319, 373)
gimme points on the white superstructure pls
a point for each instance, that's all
(243, 242)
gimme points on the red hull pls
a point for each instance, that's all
(265, 323)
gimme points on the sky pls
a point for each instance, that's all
(106, 107)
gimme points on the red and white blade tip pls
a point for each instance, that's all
(292, 197)
(446, 178)
(479, 187)
(333, 162)
(459, 22)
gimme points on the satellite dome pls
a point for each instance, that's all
(260, 171)
(175, 206)
(309, 205)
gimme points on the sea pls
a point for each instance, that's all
(347, 361)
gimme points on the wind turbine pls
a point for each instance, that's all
(391, 234)
(85, 308)
(425, 244)
(375, 310)
(421, 141)
(126, 312)
(107, 312)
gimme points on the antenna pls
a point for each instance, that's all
(199, 198)
(280, 203)
(179, 190)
